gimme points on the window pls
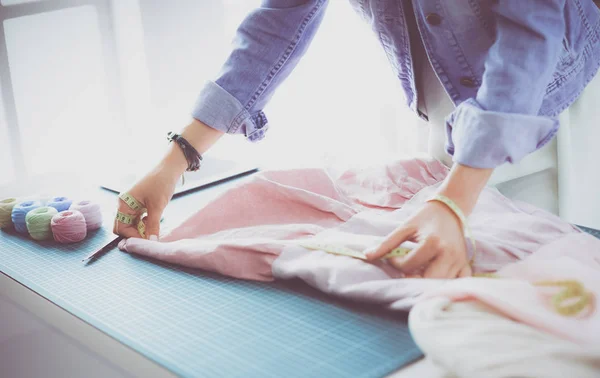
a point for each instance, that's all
(95, 83)
(58, 71)
(6, 163)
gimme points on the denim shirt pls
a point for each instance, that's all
(509, 66)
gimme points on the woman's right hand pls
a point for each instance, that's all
(154, 191)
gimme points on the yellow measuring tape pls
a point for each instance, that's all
(574, 292)
(345, 251)
(136, 206)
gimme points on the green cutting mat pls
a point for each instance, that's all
(200, 324)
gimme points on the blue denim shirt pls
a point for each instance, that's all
(509, 66)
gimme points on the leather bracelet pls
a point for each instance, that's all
(192, 156)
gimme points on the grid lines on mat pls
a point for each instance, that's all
(201, 324)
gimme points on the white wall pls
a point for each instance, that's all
(345, 104)
(59, 84)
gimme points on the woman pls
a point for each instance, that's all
(493, 74)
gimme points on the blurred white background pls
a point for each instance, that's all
(102, 82)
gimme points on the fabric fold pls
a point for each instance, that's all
(471, 339)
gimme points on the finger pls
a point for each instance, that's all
(398, 263)
(391, 241)
(137, 246)
(159, 251)
(153, 225)
(118, 227)
(125, 230)
(454, 268)
(466, 271)
(421, 255)
(438, 268)
(124, 208)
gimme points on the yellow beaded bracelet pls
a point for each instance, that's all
(461, 216)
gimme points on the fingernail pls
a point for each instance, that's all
(121, 244)
(369, 251)
(153, 238)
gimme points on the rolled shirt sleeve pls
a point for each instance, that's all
(502, 123)
(268, 45)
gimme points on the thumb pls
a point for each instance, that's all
(393, 240)
(152, 222)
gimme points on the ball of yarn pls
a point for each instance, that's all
(69, 226)
(91, 212)
(6, 208)
(38, 222)
(60, 203)
(19, 213)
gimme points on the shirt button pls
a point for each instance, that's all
(433, 19)
(467, 82)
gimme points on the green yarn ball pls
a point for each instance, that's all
(38, 222)
(6, 206)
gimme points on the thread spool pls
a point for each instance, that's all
(6, 208)
(91, 212)
(69, 226)
(60, 203)
(38, 222)
(19, 212)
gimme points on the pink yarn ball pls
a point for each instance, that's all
(68, 226)
(91, 212)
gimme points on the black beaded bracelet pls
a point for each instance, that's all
(192, 156)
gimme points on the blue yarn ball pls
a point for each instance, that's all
(60, 203)
(19, 213)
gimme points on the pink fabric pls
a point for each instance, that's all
(237, 233)
(575, 257)
(505, 233)
(246, 233)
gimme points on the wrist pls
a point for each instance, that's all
(200, 136)
(464, 185)
(174, 162)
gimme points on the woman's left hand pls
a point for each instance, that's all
(441, 250)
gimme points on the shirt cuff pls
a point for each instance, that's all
(220, 110)
(485, 139)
